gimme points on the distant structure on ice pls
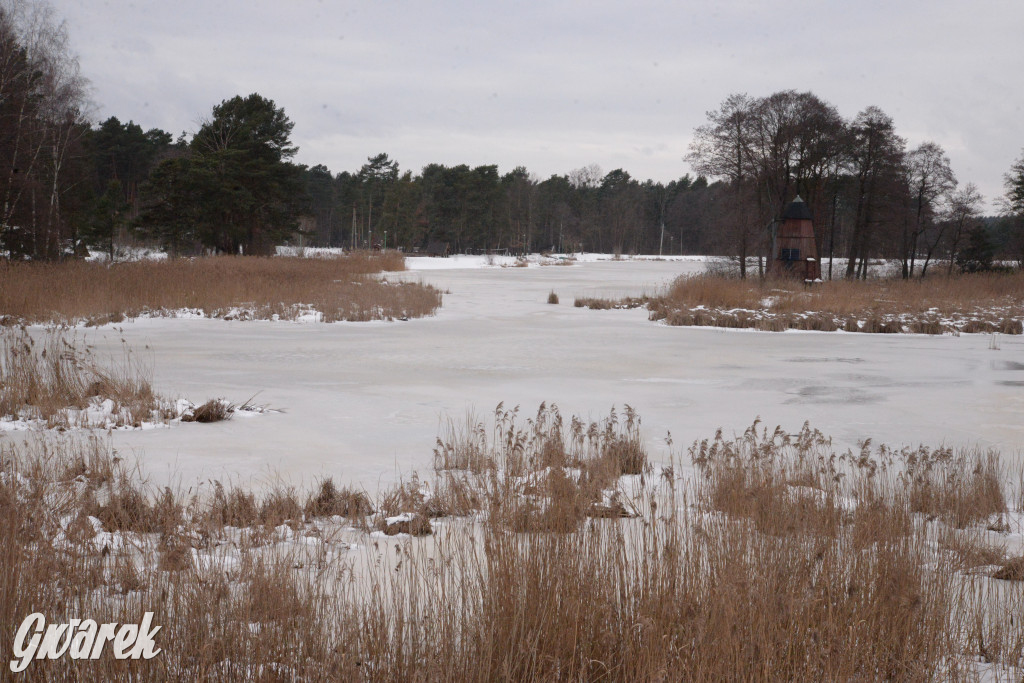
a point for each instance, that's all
(436, 248)
(794, 253)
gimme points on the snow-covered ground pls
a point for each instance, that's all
(463, 261)
(362, 402)
(128, 254)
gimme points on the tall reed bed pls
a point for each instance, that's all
(766, 556)
(966, 303)
(340, 288)
(54, 378)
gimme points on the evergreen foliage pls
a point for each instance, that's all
(234, 187)
(979, 253)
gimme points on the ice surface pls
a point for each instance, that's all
(362, 402)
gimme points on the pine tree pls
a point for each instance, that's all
(236, 190)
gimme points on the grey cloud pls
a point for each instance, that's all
(560, 84)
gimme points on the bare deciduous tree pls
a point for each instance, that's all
(876, 153)
(723, 148)
(43, 103)
(929, 180)
(962, 210)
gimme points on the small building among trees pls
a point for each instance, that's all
(437, 248)
(794, 252)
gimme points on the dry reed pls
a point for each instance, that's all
(56, 379)
(967, 303)
(831, 575)
(230, 287)
(214, 410)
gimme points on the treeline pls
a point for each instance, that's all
(66, 185)
(479, 209)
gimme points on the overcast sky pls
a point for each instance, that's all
(557, 85)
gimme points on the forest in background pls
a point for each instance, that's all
(68, 184)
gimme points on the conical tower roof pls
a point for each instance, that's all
(797, 210)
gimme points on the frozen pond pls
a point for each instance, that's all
(362, 401)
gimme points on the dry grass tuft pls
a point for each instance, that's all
(229, 287)
(214, 410)
(542, 474)
(329, 500)
(232, 507)
(552, 297)
(970, 551)
(407, 508)
(599, 304)
(1020, 488)
(463, 448)
(1012, 570)
(962, 488)
(175, 554)
(281, 506)
(412, 525)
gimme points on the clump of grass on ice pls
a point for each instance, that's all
(214, 410)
